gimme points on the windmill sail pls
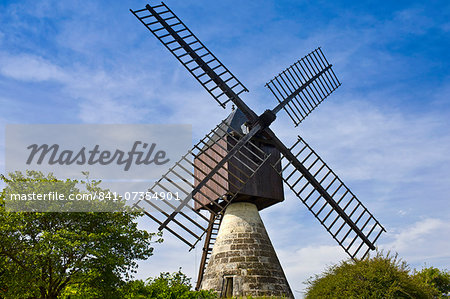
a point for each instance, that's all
(356, 229)
(181, 218)
(191, 52)
(305, 84)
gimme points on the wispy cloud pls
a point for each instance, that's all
(302, 263)
(27, 67)
(417, 233)
(422, 242)
(101, 96)
(372, 143)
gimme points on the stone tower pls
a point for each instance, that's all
(243, 261)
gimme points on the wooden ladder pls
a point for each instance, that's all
(211, 236)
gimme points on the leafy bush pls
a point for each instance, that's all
(166, 286)
(435, 277)
(377, 277)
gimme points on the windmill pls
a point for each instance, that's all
(240, 166)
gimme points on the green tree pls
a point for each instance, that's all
(377, 277)
(43, 255)
(435, 277)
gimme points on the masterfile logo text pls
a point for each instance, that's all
(119, 152)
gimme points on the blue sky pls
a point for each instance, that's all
(385, 131)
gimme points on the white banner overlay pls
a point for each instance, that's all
(127, 158)
(115, 151)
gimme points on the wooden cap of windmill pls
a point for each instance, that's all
(243, 261)
(264, 189)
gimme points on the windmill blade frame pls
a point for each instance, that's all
(304, 85)
(342, 225)
(191, 53)
(240, 155)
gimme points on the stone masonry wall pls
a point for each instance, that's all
(244, 252)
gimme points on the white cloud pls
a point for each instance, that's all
(425, 241)
(124, 95)
(368, 142)
(416, 234)
(102, 97)
(30, 68)
(302, 263)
